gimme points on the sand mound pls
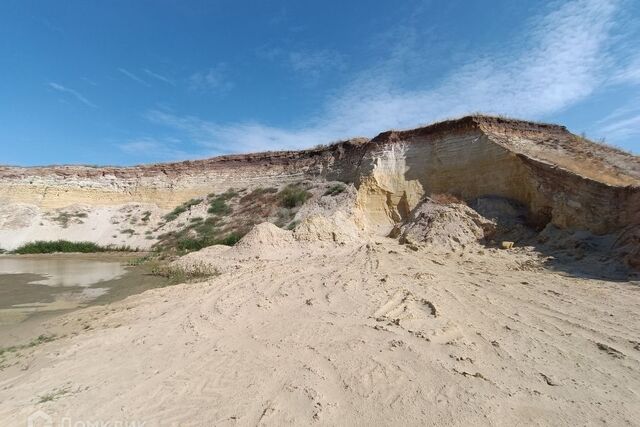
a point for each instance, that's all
(265, 241)
(338, 228)
(449, 226)
(206, 257)
(265, 235)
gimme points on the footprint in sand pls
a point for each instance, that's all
(418, 316)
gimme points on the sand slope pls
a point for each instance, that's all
(369, 333)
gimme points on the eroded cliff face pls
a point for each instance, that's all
(562, 179)
(587, 186)
(166, 185)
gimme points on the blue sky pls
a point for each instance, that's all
(126, 82)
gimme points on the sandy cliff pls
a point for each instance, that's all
(561, 178)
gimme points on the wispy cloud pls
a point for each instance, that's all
(560, 59)
(238, 137)
(558, 62)
(622, 123)
(623, 127)
(146, 148)
(307, 64)
(212, 80)
(629, 73)
(159, 77)
(89, 81)
(314, 64)
(74, 93)
(133, 77)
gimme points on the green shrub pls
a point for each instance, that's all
(181, 209)
(231, 239)
(64, 218)
(190, 244)
(293, 196)
(218, 206)
(335, 190)
(258, 191)
(145, 216)
(48, 247)
(177, 274)
(227, 195)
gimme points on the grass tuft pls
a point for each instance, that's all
(293, 196)
(177, 274)
(335, 190)
(218, 204)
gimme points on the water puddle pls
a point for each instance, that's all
(48, 284)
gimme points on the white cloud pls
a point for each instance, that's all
(622, 123)
(234, 138)
(560, 60)
(159, 77)
(314, 64)
(558, 64)
(623, 127)
(77, 95)
(307, 64)
(212, 80)
(630, 73)
(133, 77)
(155, 149)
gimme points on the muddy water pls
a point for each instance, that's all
(35, 288)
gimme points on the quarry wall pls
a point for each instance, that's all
(561, 178)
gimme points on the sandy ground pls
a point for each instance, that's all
(365, 333)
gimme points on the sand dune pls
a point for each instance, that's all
(369, 333)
